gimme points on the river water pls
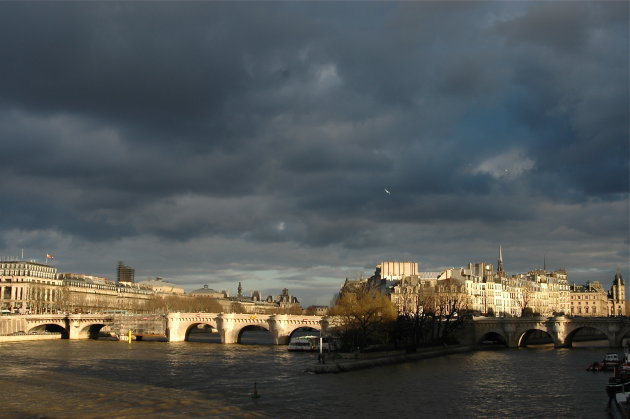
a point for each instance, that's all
(109, 379)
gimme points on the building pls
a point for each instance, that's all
(252, 303)
(589, 300)
(125, 273)
(490, 293)
(206, 291)
(617, 297)
(28, 286)
(84, 293)
(161, 287)
(393, 270)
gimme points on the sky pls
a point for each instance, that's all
(297, 144)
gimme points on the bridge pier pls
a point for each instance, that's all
(279, 326)
(614, 338)
(227, 329)
(173, 329)
(557, 330)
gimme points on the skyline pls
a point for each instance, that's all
(292, 145)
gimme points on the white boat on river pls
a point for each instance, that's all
(304, 344)
(309, 344)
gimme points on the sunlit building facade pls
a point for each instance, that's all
(489, 293)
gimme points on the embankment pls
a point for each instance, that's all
(370, 360)
(18, 338)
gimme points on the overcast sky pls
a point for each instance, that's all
(212, 143)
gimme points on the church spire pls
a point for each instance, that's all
(500, 264)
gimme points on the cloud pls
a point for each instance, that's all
(243, 138)
(512, 163)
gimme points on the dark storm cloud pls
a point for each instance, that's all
(281, 124)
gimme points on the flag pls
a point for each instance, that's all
(49, 256)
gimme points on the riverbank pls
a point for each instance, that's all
(25, 337)
(351, 362)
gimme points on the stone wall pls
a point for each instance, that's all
(12, 324)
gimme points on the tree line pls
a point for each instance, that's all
(369, 320)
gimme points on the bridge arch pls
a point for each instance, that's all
(573, 332)
(623, 337)
(86, 330)
(538, 333)
(494, 338)
(254, 327)
(303, 330)
(200, 328)
(49, 328)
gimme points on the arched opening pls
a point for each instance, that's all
(492, 340)
(304, 331)
(94, 332)
(203, 333)
(255, 335)
(625, 339)
(535, 337)
(585, 337)
(49, 329)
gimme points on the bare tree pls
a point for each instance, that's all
(364, 314)
(525, 299)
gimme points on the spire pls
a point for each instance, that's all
(500, 264)
(618, 278)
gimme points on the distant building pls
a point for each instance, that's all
(617, 296)
(285, 300)
(160, 286)
(592, 300)
(317, 310)
(125, 273)
(85, 293)
(393, 270)
(32, 287)
(28, 286)
(208, 292)
(485, 292)
(589, 300)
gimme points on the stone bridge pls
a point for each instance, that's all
(175, 327)
(231, 326)
(73, 326)
(562, 330)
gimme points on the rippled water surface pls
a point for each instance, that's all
(105, 379)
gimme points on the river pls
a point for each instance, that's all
(109, 379)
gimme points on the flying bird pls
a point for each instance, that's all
(387, 192)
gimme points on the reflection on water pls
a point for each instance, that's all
(99, 379)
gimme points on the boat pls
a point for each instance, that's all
(618, 389)
(610, 362)
(310, 344)
(304, 344)
(596, 366)
(619, 404)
